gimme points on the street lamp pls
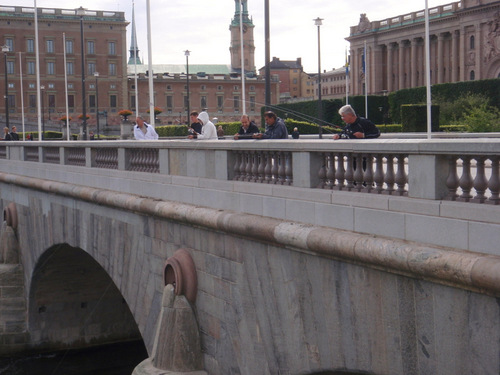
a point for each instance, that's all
(6, 49)
(81, 12)
(96, 75)
(42, 88)
(186, 53)
(318, 23)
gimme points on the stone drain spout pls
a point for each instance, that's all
(177, 347)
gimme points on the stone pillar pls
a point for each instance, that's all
(462, 54)
(401, 65)
(454, 55)
(439, 62)
(390, 71)
(126, 129)
(413, 63)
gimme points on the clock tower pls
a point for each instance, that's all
(248, 43)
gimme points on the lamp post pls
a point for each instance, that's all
(6, 49)
(186, 53)
(81, 12)
(318, 23)
(96, 75)
(42, 88)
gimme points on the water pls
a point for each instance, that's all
(115, 359)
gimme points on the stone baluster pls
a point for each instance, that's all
(288, 169)
(248, 166)
(262, 166)
(255, 166)
(330, 173)
(368, 173)
(465, 181)
(379, 174)
(242, 166)
(236, 167)
(349, 173)
(452, 179)
(494, 181)
(480, 181)
(389, 175)
(401, 176)
(322, 171)
(358, 171)
(340, 173)
(274, 169)
(269, 167)
(281, 168)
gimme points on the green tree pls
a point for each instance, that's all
(482, 118)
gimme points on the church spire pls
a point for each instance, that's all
(134, 50)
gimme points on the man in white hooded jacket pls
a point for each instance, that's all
(208, 130)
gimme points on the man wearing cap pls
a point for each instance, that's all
(275, 128)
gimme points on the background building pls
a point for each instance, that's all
(104, 48)
(464, 45)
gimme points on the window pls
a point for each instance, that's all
(71, 101)
(31, 67)
(203, 87)
(70, 68)
(70, 85)
(9, 42)
(51, 68)
(52, 103)
(132, 102)
(472, 75)
(49, 46)
(252, 88)
(112, 101)
(90, 47)
(112, 48)
(472, 42)
(169, 87)
(112, 69)
(220, 102)
(51, 85)
(236, 88)
(170, 102)
(219, 88)
(69, 46)
(112, 86)
(91, 68)
(11, 85)
(185, 101)
(10, 67)
(92, 86)
(32, 101)
(252, 103)
(12, 102)
(92, 101)
(31, 85)
(236, 103)
(30, 45)
(203, 101)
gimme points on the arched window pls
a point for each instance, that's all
(472, 42)
(472, 75)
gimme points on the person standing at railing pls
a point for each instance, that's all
(13, 134)
(356, 127)
(208, 130)
(275, 128)
(195, 124)
(6, 135)
(144, 131)
(247, 128)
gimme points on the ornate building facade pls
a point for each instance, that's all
(464, 45)
(104, 38)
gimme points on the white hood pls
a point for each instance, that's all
(203, 117)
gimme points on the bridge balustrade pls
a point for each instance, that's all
(460, 170)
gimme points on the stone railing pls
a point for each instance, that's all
(452, 169)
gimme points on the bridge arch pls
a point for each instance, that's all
(74, 303)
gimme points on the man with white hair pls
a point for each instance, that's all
(144, 131)
(356, 127)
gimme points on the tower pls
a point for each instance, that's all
(134, 50)
(248, 42)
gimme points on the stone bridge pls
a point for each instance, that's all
(305, 261)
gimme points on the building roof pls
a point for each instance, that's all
(276, 63)
(181, 68)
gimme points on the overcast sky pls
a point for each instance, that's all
(202, 26)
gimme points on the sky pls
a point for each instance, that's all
(202, 27)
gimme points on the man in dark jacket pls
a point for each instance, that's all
(247, 129)
(356, 127)
(275, 128)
